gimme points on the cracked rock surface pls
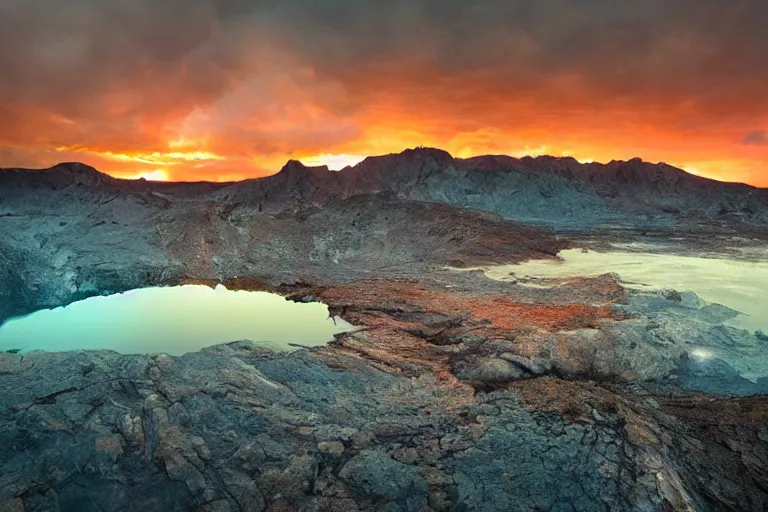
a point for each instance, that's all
(234, 427)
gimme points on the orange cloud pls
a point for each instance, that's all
(140, 88)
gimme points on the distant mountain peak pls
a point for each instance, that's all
(425, 151)
(293, 165)
(77, 173)
(78, 168)
(411, 159)
(73, 167)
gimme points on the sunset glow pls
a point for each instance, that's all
(333, 162)
(156, 175)
(155, 158)
(229, 93)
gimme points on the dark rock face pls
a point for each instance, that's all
(235, 428)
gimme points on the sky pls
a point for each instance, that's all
(228, 89)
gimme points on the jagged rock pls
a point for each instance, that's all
(254, 456)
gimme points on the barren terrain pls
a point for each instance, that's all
(458, 392)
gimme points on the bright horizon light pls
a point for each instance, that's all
(154, 158)
(155, 175)
(334, 162)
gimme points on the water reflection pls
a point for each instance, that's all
(173, 320)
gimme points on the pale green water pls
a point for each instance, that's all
(174, 321)
(739, 285)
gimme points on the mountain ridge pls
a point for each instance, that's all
(479, 162)
(556, 191)
(550, 190)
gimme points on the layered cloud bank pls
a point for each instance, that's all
(228, 89)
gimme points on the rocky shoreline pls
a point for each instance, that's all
(446, 399)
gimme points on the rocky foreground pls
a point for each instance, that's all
(445, 400)
(456, 392)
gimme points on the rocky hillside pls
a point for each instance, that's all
(559, 192)
(70, 232)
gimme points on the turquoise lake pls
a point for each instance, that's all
(174, 321)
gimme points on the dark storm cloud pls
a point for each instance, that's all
(603, 39)
(756, 138)
(124, 74)
(82, 57)
(70, 47)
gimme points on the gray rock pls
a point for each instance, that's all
(374, 476)
(489, 371)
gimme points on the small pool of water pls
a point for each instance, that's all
(173, 320)
(739, 285)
